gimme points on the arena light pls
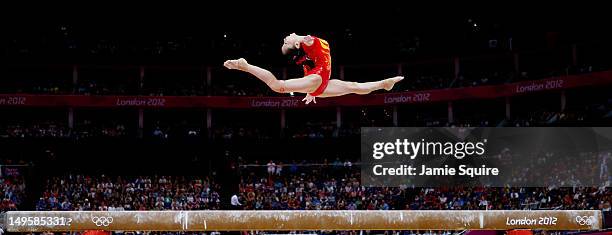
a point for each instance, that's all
(273, 220)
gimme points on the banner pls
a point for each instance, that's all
(241, 102)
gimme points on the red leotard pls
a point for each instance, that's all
(318, 52)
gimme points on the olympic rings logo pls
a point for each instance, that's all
(585, 220)
(102, 221)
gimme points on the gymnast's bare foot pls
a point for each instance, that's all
(239, 64)
(390, 82)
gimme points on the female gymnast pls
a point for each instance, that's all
(314, 55)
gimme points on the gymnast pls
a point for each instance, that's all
(313, 54)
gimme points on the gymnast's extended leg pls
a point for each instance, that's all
(305, 84)
(339, 87)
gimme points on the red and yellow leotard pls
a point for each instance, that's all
(318, 53)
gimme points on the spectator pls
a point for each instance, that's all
(271, 167)
(235, 202)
